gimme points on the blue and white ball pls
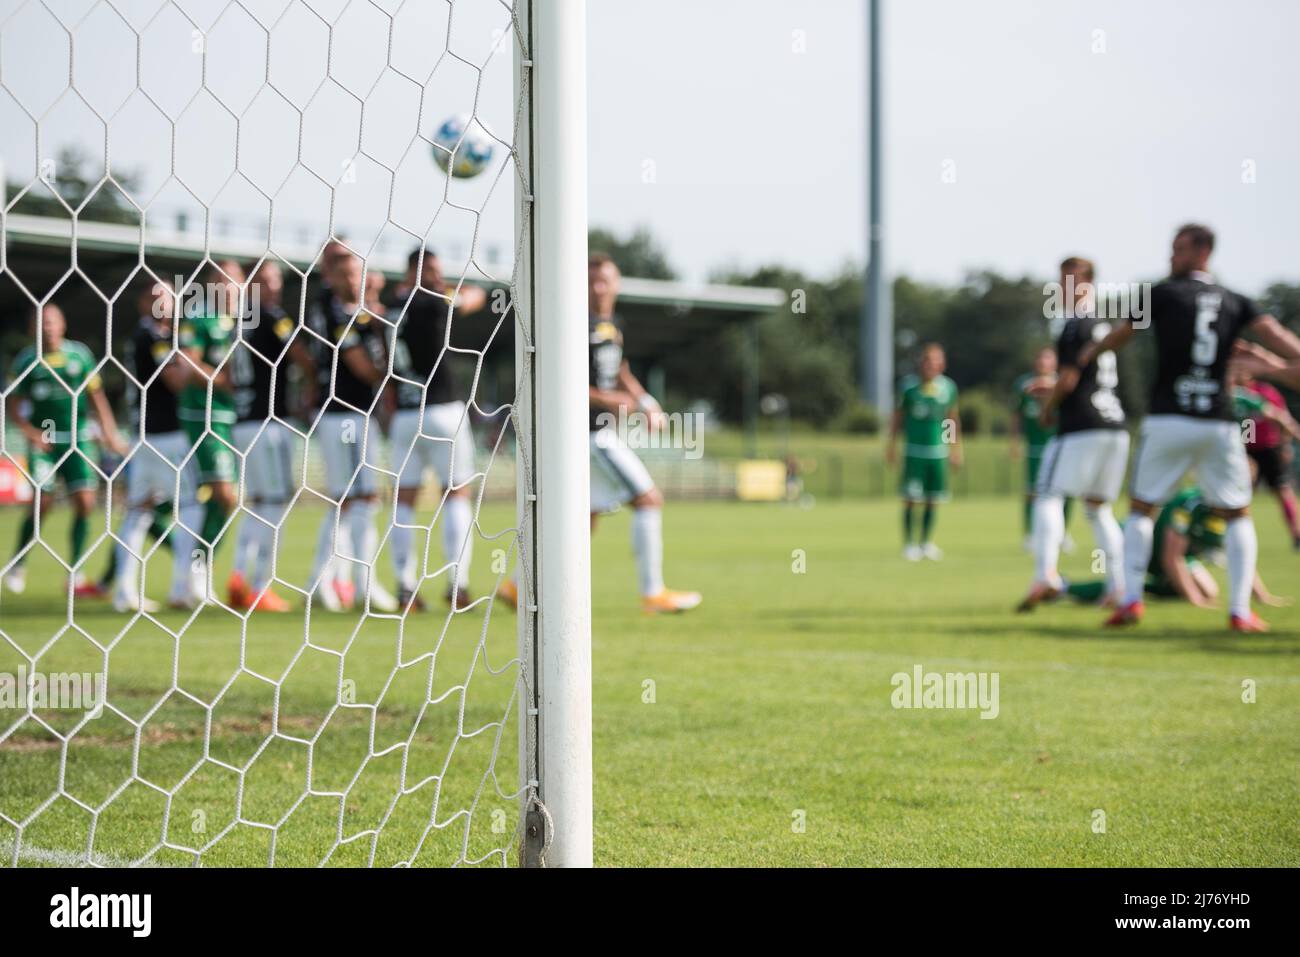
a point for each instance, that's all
(463, 148)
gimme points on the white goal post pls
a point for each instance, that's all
(351, 727)
(554, 393)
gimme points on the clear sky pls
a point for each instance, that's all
(1017, 130)
(1060, 138)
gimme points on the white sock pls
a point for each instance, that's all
(1138, 532)
(190, 563)
(132, 534)
(1048, 534)
(1243, 551)
(1110, 540)
(365, 538)
(246, 543)
(400, 542)
(648, 543)
(326, 566)
(265, 565)
(457, 543)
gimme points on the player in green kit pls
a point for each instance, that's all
(927, 417)
(1029, 437)
(206, 336)
(1186, 530)
(60, 386)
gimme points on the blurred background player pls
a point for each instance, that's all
(927, 417)
(206, 335)
(1088, 455)
(1191, 423)
(1029, 436)
(350, 358)
(267, 335)
(1268, 442)
(617, 474)
(59, 384)
(430, 430)
(1186, 531)
(158, 473)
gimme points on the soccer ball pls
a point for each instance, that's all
(463, 148)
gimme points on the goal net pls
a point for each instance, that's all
(293, 566)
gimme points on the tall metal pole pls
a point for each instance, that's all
(876, 337)
(562, 547)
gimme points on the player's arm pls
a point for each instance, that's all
(1266, 597)
(104, 415)
(1174, 565)
(1282, 416)
(643, 399)
(469, 299)
(891, 445)
(1277, 337)
(359, 363)
(1067, 380)
(1116, 339)
(35, 438)
(300, 355)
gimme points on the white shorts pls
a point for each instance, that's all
(151, 477)
(1089, 464)
(617, 473)
(269, 474)
(1172, 445)
(445, 444)
(351, 453)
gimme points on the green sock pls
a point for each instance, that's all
(80, 529)
(907, 524)
(1029, 515)
(927, 523)
(1090, 592)
(214, 517)
(1069, 507)
(27, 532)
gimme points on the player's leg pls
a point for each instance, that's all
(1108, 459)
(334, 537)
(1224, 473)
(41, 468)
(147, 481)
(1273, 471)
(219, 468)
(410, 456)
(618, 476)
(1048, 525)
(1165, 452)
(936, 492)
(1033, 465)
(912, 491)
(81, 480)
(361, 510)
(247, 537)
(454, 463)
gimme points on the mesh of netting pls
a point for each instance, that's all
(167, 152)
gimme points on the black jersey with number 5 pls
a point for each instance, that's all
(1094, 403)
(1196, 322)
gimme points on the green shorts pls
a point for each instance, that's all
(924, 479)
(76, 471)
(215, 454)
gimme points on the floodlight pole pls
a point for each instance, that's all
(559, 586)
(876, 335)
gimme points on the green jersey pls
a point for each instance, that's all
(925, 407)
(49, 387)
(213, 337)
(1027, 405)
(1189, 516)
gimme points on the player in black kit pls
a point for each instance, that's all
(1087, 456)
(1191, 423)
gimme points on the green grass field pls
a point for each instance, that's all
(757, 730)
